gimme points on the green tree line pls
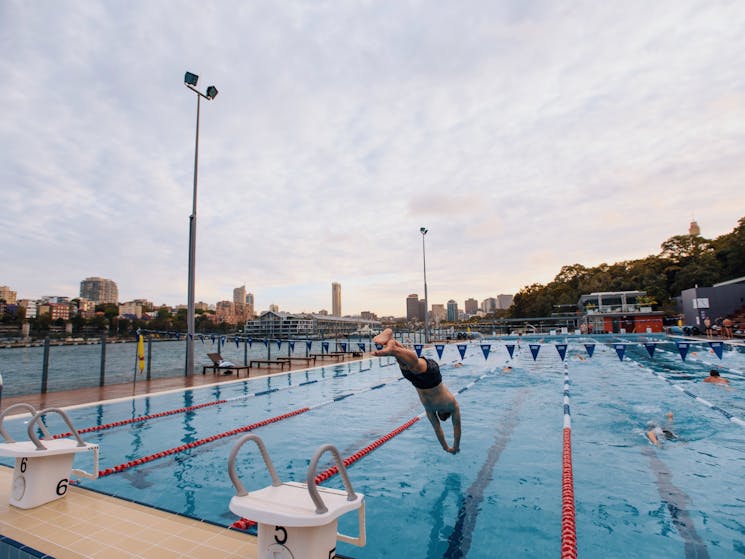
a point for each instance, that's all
(684, 261)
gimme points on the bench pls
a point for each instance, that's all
(226, 370)
(269, 362)
(308, 360)
(338, 355)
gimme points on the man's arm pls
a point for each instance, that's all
(404, 356)
(456, 429)
(432, 416)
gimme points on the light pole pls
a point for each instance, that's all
(423, 231)
(190, 81)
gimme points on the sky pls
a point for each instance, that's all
(524, 135)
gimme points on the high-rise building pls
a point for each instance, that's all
(100, 290)
(239, 295)
(422, 314)
(336, 299)
(438, 312)
(504, 302)
(250, 310)
(452, 311)
(8, 295)
(412, 307)
(471, 306)
(489, 305)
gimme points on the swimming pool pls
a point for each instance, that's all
(501, 496)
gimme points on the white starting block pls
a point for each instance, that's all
(43, 467)
(297, 520)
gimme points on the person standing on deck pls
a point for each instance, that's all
(439, 403)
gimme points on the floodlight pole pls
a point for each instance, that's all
(190, 81)
(423, 231)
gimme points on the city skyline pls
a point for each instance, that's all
(242, 296)
(521, 142)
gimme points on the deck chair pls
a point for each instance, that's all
(220, 364)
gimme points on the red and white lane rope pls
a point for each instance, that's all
(244, 524)
(568, 513)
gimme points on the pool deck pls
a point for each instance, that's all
(87, 524)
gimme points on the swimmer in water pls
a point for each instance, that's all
(715, 378)
(657, 434)
(439, 403)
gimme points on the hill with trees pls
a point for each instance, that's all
(684, 261)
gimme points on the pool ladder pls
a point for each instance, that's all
(297, 520)
(43, 467)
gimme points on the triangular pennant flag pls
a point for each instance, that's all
(361, 346)
(650, 349)
(265, 342)
(462, 350)
(223, 339)
(510, 349)
(343, 346)
(439, 348)
(308, 344)
(534, 349)
(279, 344)
(201, 338)
(379, 346)
(212, 337)
(236, 341)
(250, 342)
(562, 349)
(683, 349)
(486, 348)
(178, 336)
(620, 350)
(418, 349)
(292, 345)
(325, 346)
(717, 347)
(590, 348)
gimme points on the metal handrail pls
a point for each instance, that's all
(30, 409)
(37, 418)
(311, 479)
(240, 489)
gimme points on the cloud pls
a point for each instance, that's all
(524, 135)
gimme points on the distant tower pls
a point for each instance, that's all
(100, 290)
(694, 229)
(239, 295)
(336, 299)
(452, 311)
(412, 307)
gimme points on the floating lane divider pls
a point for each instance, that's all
(200, 442)
(189, 408)
(232, 432)
(568, 512)
(245, 524)
(699, 399)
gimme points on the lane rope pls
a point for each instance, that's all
(187, 409)
(568, 511)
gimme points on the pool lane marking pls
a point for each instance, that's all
(568, 510)
(188, 446)
(725, 413)
(244, 523)
(187, 409)
(675, 500)
(459, 541)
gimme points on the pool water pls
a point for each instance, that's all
(501, 495)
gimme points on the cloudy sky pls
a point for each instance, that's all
(525, 135)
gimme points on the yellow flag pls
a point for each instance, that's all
(141, 353)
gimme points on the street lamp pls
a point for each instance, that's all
(190, 81)
(423, 231)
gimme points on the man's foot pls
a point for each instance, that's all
(383, 337)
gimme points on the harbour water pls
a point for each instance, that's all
(79, 366)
